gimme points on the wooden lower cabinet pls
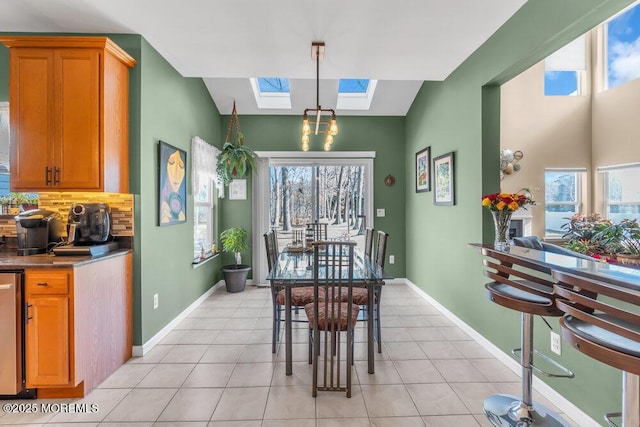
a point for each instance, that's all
(80, 325)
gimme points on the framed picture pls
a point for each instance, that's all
(172, 186)
(238, 189)
(444, 180)
(423, 172)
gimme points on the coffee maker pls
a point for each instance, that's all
(36, 229)
(89, 224)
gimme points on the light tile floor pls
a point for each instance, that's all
(216, 369)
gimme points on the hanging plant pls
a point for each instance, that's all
(235, 160)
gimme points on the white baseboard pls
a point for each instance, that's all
(572, 411)
(141, 350)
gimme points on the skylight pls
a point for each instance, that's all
(355, 94)
(273, 84)
(271, 92)
(353, 85)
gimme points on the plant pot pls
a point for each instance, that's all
(628, 259)
(235, 278)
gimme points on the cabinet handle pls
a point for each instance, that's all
(43, 284)
(47, 175)
(56, 176)
(28, 317)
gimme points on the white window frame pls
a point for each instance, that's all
(579, 176)
(605, 187)
(604, 50)
(206, 250)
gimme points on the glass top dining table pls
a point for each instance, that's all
(295, 268)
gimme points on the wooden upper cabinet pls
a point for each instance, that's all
(69, 112)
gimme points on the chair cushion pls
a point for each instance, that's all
(328, 314)
(603, 337)
(515, 293)
(360, 296)
(300, 296)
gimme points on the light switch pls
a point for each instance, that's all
(380, 213)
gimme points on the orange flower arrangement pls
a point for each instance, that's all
(508, 201)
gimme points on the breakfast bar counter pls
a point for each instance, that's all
(11, 261)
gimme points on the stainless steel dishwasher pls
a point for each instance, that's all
(12, 369)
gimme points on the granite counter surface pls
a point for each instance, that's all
(11, 261)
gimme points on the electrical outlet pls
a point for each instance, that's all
(380, 213)
(155, 301)
(392, 259)
(555, 343)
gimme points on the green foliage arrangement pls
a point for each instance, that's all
(235, 161)
(234, 240)
(583, 234)
(621, 238)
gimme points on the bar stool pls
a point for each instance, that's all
(603, 331)
(524, 292)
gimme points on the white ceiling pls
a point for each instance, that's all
(400, 43)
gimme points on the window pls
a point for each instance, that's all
(622, 192)
(562, 198)
(565, 69)
(623, 47)
(271, 92)
(203, 180)
(355, 94)
(560, 83)
(203, 219)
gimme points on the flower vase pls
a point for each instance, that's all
(502, 223)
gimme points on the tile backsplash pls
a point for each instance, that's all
(121, 206)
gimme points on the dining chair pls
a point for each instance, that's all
(319, 230)
(606, 329)
(272, 258)
(328, 316)
(361, 295)
(368, 242)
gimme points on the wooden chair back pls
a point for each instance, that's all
(614, 319)
(519, 276)
(271, 247)
(381, 248)
(319, 230)
(368, 242)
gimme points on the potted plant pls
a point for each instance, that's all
(623, 239)
(234, 240)
(235, 161)
(583, 234)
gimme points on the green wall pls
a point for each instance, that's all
(173, 109)
(384, 135)
(462, 115)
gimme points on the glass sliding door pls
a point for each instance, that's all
(333, 192)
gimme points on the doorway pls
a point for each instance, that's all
(295, 191)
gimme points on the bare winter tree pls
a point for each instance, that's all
(286, 200)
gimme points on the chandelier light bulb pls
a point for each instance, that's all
(305, 139)
(328, 139)
(305, 146)
(333, 126)
(306, 129)
(327, 146)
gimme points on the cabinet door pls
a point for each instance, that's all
(78, 152)
(47, 341)
(32, 113)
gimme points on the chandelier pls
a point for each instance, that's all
(329, 126)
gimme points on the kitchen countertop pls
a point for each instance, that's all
(11, 261)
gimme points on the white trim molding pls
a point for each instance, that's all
(141, 350)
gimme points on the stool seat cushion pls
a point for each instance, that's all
(515, 293)
(300, 296)
(601, 336)
(328, 314)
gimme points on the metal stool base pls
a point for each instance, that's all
(503, 410)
